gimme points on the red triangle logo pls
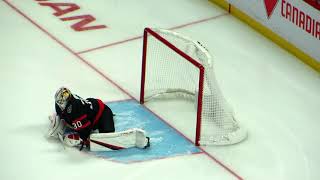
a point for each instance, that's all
(270, 6)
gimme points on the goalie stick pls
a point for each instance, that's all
(108, 141)
(97, 141)
(109, 146)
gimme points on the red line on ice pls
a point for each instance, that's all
(139, 37)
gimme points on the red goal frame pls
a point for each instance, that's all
(150, 32)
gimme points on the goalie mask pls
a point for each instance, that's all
(62, 97)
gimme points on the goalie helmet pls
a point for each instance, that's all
(62, 97)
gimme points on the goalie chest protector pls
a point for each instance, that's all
(81, 113)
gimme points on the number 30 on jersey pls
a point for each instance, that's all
(77, 124)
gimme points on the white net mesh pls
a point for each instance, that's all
(169, 74)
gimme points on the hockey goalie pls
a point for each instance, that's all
(89, 123)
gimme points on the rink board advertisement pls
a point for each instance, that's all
(295, 21)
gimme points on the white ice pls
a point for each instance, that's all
(274, 95)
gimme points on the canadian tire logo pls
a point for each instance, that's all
(270, 6)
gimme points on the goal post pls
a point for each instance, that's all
(174, 66)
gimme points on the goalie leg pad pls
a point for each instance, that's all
(119, 140)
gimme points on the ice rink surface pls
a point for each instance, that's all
(274, 95)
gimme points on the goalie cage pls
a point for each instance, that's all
(174, 66)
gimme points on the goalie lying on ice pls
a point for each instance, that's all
(89, 122)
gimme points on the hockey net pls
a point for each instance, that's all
(174, 66)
